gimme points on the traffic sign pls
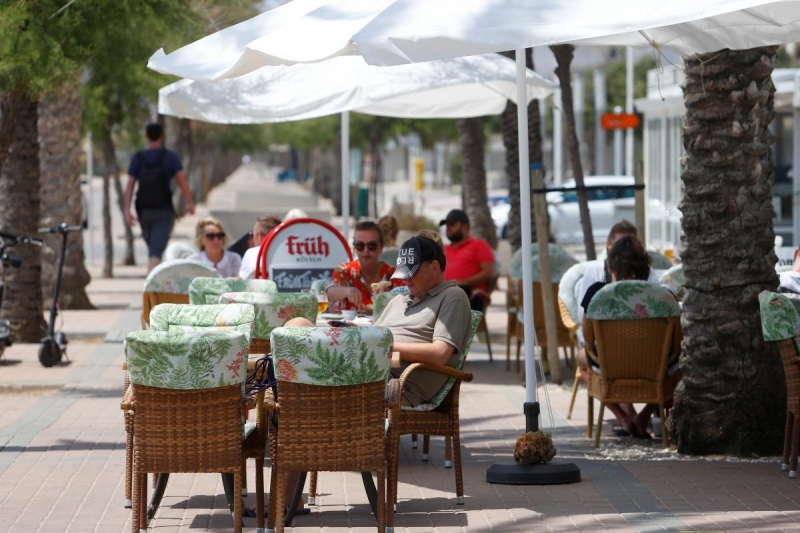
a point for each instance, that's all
(621, 121)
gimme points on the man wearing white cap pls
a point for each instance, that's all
(431, 322)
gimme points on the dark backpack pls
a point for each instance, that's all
(154, 191)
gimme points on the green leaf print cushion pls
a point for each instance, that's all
(171, 317)
(187, 360)
(207, 291)
(175, 276)
(272, 310)
(624, 300)
(332, 356)
(779, 319)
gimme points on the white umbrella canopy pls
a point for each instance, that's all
(392, 32)
(452, 88)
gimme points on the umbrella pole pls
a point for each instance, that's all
(510, 472)
(344, 131)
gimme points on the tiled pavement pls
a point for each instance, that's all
(62, 457)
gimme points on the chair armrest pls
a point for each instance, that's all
(566, 317)
(442, 369)
(128, 401)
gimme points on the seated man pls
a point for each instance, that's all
(598, 270)
(471, 260)
(261, 229)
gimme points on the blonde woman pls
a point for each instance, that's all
(211, 239)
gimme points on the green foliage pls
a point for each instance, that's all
(42, 44)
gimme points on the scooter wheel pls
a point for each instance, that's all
(49, 353)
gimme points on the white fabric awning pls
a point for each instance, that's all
(453, 88)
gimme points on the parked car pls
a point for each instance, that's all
(606, 207)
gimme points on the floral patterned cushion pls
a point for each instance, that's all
(207, 291)
(380, 302)
(560, 261)
(175, 276)
(272, 310)
(625, 300)
(182, 317)
(659, 261)
(186, 359)
(570, 286)
(779, 318)
(672, 278)
(332, 356)
(445, 390)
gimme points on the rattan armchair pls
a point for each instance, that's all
(633, 333)
(439, 417)
(207, 291)
(331, 407)
(566, 335)
(187, 417)
(779, 323)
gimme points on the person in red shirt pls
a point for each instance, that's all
(470, 261)
(351, 287)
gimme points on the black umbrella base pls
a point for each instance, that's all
(552, 473)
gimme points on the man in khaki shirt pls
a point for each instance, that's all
(431, 323)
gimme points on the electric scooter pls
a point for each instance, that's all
(54, 345)
(8, 259)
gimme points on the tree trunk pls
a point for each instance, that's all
(112, 169)
(128, 258)
(731, 399)
(62, 199)
(476, 201)
(508, 123)
(563, 53)
(8, 120)
(19, 214)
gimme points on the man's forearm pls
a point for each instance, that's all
(436, 352)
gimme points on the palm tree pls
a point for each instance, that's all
(508, 124)
(59, 158)
(476, 201)
(19, 214)
(563, 53)
(731, 399)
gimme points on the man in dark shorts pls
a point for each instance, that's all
(152, 170)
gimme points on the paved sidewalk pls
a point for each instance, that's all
(62, 463)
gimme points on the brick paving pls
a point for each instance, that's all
(62, 459)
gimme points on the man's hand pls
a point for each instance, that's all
(354, 296)
(130, 218)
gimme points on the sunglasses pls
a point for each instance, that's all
(372, 245)
(212, 236)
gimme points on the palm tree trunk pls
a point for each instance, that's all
(8, 120)
(508, 123)
(563, 53)
(62, 199)
(476, 201)
(19, 214)
(731, 399)
(112, 169)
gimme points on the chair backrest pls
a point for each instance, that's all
(538, 309)
(178, 250)
(780, 323)
(186, 359)
(175, 276)
(448, 385)
(272, 310)
(672, 278)
(380, 301)
(659, 261)
(331, 356)
(639, 323)
(206, 291)
(218, 317)
(560, 261)
(632, 299)
(570, 286)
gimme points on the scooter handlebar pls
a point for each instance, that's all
(61, 228)
(17, 238)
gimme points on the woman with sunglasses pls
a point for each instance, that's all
(352, 282)
(211, 239)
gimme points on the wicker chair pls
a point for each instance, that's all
(171, 317)
(568, 305)
(330, 406)
(780, 323)
(633, 332)
(272, 310)
(483, 326)
(566, 336)
(438, 417)
(169, 283)
(187, 417)
(207, 291)
(512, 307)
